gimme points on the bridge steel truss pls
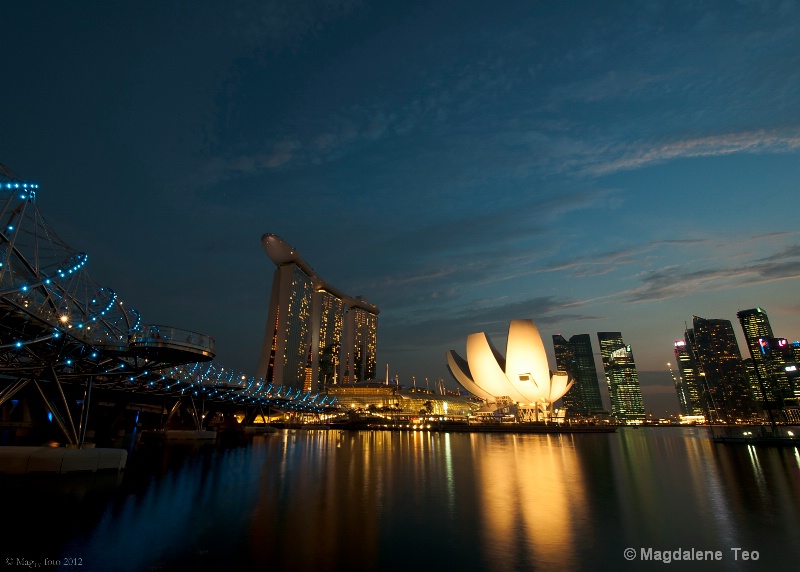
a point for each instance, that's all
(59, 328)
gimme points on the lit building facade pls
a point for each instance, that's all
(328, 310)
(769, 380)
(287, 343)
(575, 356)
(315, 334)
(622, 379)
(688, 384)
(727, 394)
(361, 342)
(393, 402)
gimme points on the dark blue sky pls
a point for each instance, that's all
(459, 164)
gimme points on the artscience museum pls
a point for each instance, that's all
(521, 380)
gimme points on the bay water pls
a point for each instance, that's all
(636, 499)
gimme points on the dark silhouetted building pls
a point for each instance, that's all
(726, 391)
(575, 357)
(624, 390)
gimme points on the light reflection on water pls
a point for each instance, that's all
(332, 500)
(531, 498)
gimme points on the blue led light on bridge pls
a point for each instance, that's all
(24, 186)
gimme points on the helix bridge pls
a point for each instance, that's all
(61, 332)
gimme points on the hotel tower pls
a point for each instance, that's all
(315, 334)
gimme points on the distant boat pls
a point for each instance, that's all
(756, 436)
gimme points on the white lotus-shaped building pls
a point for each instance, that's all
(522, 377)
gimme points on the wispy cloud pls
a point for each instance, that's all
(759, 141)
(674, 282)
(612, 84)
(451, 328)
(441, 259)
(599, 263)
(286, 24)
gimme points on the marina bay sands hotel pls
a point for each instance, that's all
(315, 334)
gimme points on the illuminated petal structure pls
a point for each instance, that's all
(522, 377)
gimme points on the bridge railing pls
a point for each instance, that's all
(155, 335)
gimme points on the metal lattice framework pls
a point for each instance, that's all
(59, 326)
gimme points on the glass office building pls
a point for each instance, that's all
(575, 356)
(727, 396)
(622, 379)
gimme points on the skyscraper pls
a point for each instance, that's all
(287, 342)
(690, 390)
(770, 382)
(621, 377)
(315, 333)
(361, 339)
(726, 395)
(326, 342)
(577, 359)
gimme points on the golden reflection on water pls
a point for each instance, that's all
(400, 501)
(330, 492)
(389, 500)
(532, 498)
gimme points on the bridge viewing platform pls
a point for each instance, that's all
(167, 344)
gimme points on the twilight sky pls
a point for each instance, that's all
(592, 166)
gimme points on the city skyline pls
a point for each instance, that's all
(459, 165)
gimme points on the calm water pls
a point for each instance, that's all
(317, 500)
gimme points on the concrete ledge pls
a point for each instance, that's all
(24, 460)
(181, 435)
(178, 435)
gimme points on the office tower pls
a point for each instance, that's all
(726, 390)
(690, 390)
(770, 382)
(565, 361)
(577, 359)
(315, 334)
(621, 377)
(756, 327)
